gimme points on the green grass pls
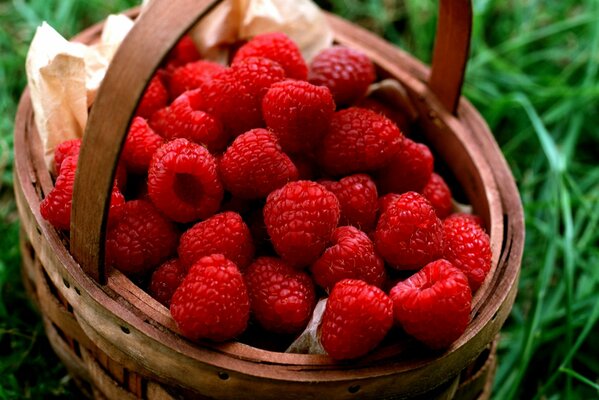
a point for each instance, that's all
(533, 74)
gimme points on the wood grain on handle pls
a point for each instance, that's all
(450, 55)
(156, 31)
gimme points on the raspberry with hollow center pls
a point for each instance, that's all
(212, 301)
(223, 233)
(434, 304)
(277, 47)
(183, 181)
(298, 113)
(346, 72)
(409, 234)
(255, 165)
(358, 200)
(140, 240)
(468, 247)
(300, 218)
(351, 254)
(281, 297)
(165, 280)
(409, 169)
(356, 319)
(358, 140)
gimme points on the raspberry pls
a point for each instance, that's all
(358, 200)
(165, 280)
(159, 120)
(281, 298)
(409, 170)
(255, 165)
(183, 181)
(154, 98)
(386, 200)
(434, 304)
(184, 121)
(437, 192)
(212, 301)
(140, 240)
(350, 255)
(468, 247)
(223, 233)
(185, 51)
(65, 149)
(141, 143)
(192, 76)
(56, 206)
(400, 119)
(471, 217)
(235, 95)
(346, 72)
(298, 113)
(300, 218)
(358, 140)
(356, 319)
(277, 47)
(409, 234)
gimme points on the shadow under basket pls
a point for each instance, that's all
(119, 343)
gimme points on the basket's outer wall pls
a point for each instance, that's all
(122, 322)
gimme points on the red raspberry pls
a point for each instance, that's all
(409, 170)
(212, 301)
(235, 95)
(281, 298)
(185, 51)
(409, 234)
(277, 47)
(347, 72)
(159, 120)
(154, 98)
(255, 165)
(56, 206)
(141, 143)
(358, 140)
(471, 217)
(65, 149)
(434, 304)
(437, 192)
(358, 200)
(140, 240)
(356, 319)
(192, 76)
(223, 233)
(183, 181)
(350, 255)
(185, 121)
(298, 113)
(165, 280)
(386, 200)
(300, 218)
(468, 247)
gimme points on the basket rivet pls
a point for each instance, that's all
(223, 376)
(66, 283)
(125, 330)
(353, 388)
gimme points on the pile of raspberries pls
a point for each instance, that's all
(247, 192)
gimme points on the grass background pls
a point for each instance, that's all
(533, 74)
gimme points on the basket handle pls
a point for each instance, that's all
(162, 24)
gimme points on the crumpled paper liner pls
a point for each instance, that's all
(309, 341)
(64, 77)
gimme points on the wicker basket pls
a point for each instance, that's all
(120, 343)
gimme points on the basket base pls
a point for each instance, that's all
(99, 377)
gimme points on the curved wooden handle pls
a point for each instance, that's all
(156, 31)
